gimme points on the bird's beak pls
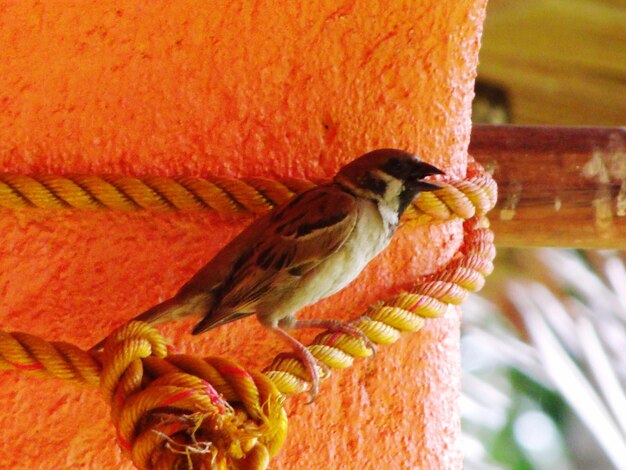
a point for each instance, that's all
(422, 171)
(422, 186)
(426, 169)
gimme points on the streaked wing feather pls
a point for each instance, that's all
(297, 238)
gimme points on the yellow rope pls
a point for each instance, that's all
(177, 410)
(225, 196)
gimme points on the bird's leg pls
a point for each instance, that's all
(307, 359)
(337, 326)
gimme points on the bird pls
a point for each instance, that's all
(303, 251)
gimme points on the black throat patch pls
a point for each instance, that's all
(406, 197)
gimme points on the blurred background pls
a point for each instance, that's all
(544, 345)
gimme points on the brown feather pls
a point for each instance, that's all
(283, 252)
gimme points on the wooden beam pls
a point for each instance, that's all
(558, 186)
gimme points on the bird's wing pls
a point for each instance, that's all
(296, 238)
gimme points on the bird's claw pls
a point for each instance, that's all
(302, 354)
(338, 326)
(361, 335)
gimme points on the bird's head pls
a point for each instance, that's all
(388, 176)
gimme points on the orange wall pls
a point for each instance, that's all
(237, 88)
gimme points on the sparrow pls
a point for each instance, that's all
(303, 251)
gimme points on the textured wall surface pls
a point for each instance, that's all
(238, 88)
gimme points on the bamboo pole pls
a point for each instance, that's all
(558, 186)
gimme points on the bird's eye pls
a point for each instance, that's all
(395, 167)
(393, 162)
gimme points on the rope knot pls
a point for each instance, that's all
(178, 411)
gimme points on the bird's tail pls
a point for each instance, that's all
(168, 310)
(171, 309)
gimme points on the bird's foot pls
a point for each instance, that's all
(337, 326)
(310, 364)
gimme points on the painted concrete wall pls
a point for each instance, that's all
(236, 88)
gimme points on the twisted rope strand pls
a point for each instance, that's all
(29, 353)
(225, 196)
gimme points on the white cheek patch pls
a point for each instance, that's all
(393, 190)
